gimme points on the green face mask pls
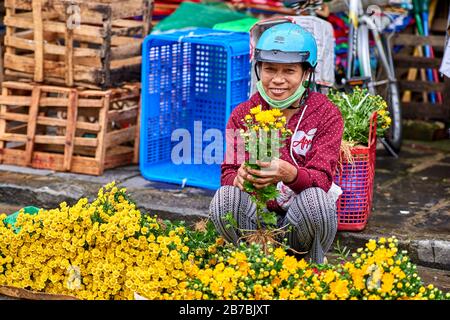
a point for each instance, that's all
(281, 104)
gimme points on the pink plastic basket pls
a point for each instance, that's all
(356, 180)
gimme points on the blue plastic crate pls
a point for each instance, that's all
(189, 75)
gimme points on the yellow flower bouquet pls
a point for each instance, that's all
(263, 137)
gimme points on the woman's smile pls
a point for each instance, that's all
(278, 91)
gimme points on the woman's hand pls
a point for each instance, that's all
(271, 173)
(241, 177)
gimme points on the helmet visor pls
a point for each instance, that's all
(276, 56)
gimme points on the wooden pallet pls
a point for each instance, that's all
(411, 65)
(65, 129)
(414, 103)
(43, 42)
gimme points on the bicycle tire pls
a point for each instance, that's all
(395, 132)
(389, 92)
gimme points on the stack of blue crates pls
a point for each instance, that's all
(191, 76)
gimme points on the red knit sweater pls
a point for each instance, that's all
(316, 143)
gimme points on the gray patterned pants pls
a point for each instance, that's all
(312, 215)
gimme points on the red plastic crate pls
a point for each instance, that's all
(356, 180)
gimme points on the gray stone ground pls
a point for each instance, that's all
(411, 200)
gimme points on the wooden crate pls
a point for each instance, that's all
(43, 42)
(411, 66)
(413, 88)
(66, 129)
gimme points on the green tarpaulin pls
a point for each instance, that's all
(241, 25)
(12, 218)
(191, 14)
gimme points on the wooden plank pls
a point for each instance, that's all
(13, 137)
(78, 151)
(116, 64)
(22, 76)
(127, 23)
(1, 62)
(84, 165)
(69, 58)
(94, 62)
(14, 116)
(20, 293)
(416, 40)
(48, 121)
(118, 160)
(28, 65)
(17, 85)
(126, 51)
(25, 44)
(106, 48)
(42, 139)
(426, 111)
(38, 42)
(82, 103)
(419, 86)
(86, 142)
(404, 61)
(31, 131)
(72, 114)
(21, 21)
(127, 32)
(147, 13)
(22, 4)
(446, 95)
(118, 137)
(118, 150)
(92, 12)
(103, 121)
(15, 100)
(56, 69)
(412, 75)
(123, 115)
(46, 102)
(9, 29)
(122, 9)
(3, 109)
(126, 96)
(439, 25)
(123, 41)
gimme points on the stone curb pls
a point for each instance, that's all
(431, 253)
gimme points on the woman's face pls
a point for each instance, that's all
(281, 80)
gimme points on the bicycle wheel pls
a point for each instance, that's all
(382, 84)
(389, 91)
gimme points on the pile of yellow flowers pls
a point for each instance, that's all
(91, 250)
(378, 272)
(107, 249)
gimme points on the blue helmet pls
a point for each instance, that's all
(287, 43)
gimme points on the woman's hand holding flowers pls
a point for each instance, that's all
(271, 173)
